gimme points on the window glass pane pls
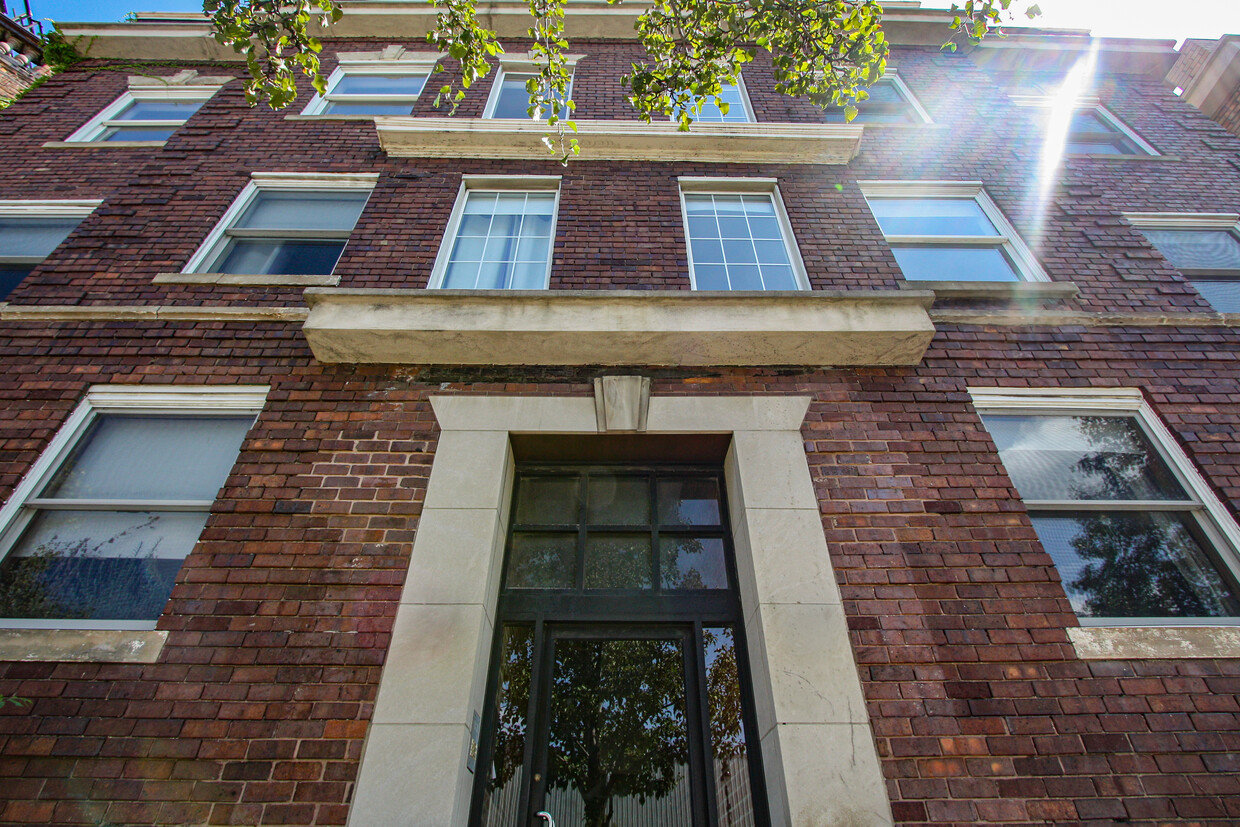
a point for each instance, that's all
(347, 107)
(1112, 146)
(501, 800)
(306, 210)
(692, 563)
(548, 501)
(740, 232)
(954, 263)
(1197, 249)
(1223, 296)
(618, 500)
(151, 458)
(884, 105)
(505, 228)
(11, 275)
(730, 94)
(689, 502)
(1134, 564)
(1081, 458)
(138, 133)
(512, 100)
(542, 561)
(617, 750)
(98, 565)
(156, 110)
(931, 216)
(733, 791)
(357, 84)
(1089, 122)
(33, 236)
(245, 255)
(618, 561)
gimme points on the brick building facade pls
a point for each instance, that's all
(962, 318)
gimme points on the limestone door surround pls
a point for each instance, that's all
(818, 750)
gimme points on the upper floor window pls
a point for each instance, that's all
(144, 114)
(30, 231)
(374, 83)
(739, 238)
(95, 535)
(1132, 528)
(500, 235)
(735, 106)
(889, 101)
(1090, 128)
(510, 96)
(285, 224)
(1205, 248)
(949, 231)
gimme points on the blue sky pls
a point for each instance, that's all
(1106, 18)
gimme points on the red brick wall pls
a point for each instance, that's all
(256, 710)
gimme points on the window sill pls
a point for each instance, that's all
(617, 327)
(995, 289)
(1089, 156)
(101, 144)
(259, 280)
(330, 117)
(784, 143)
(98, 645)
(1155, 642)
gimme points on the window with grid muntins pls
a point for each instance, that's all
(1210, 259)
(737, 242)
(1128, 538)
(733, 96)
(502, 241)
(948, 239)
(289, 232)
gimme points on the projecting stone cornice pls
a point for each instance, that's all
(771, 143)
(618, 327)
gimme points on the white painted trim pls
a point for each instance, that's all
(90, 131)
(734, 186)
(1023, 260)
(1108, 116)
(413, 63)
(79, 208)
(494, 183)
(1183, 220)
(1219, 525)
(211, 247)
(893, 77)
(818, 748)
(167, 400)
(1089, 103)
(521, 67)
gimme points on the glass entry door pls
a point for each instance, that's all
(618, 706)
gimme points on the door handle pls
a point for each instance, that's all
(546, 816)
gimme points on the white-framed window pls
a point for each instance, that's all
(500, 234)
(949, 231)
(145, 114)
(734, 99)
(95, 534)
(1205, 248)
(369, 86)
(889, 101)
(738, 235)
(1136, 534)
(1091, 129)
(510, 98)
(285, 224)
(30, 231)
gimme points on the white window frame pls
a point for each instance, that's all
(1023, 261)
(515, 67)
(1211, 515)
(739, 186)
(494, 183)
(410, 64)
(1089, 103)
(1191, 222)
(77, 208)
(159, 400)
(745, 104)
(276, 182)
(892, 77)
(92, 131)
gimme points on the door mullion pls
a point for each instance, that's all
(699, 733)
(533, 732)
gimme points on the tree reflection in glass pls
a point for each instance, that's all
(618, 750)
(500, 805)
(733, 793)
